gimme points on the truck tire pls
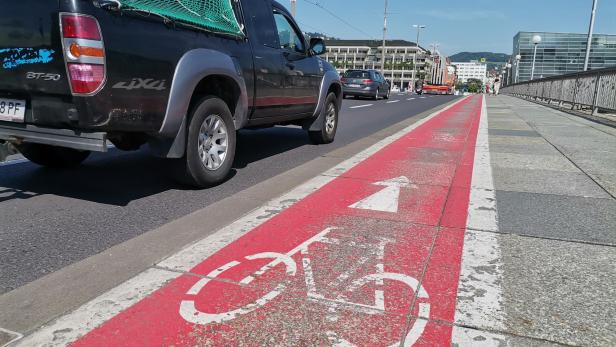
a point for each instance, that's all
(52, 156)
(210, 146)
(327, 133)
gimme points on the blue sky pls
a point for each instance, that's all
(456, 25)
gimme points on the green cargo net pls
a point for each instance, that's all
(214, 15)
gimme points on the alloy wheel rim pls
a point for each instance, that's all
(213, 142)
(330, 119)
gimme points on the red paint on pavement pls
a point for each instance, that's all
(345, 274)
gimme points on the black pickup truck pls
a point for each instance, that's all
(77, 74)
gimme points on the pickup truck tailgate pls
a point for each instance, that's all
(31, 58)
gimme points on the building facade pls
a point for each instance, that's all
(560, 53)
(367, 54)
(441, 70)
(474, 69)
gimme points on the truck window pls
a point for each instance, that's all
(262, 28)
(288, 36)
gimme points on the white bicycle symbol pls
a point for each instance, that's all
(191, 314)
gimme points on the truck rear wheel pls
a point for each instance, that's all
(210, 146)
(52, 156)
(327, 133)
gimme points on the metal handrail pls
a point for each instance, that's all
(594, 89)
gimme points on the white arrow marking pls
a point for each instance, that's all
(386, 200)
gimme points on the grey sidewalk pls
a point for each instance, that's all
(555, 181)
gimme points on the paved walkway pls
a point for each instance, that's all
(555, 181)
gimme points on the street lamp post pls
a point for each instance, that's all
(517, 67)
(508, 74)
(590, 30)
(536, 42)
(419, 27)
(294, 8)
(384, 40)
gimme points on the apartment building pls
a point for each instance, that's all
(474, 69)
(367, 54)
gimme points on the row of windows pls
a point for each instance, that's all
(410, 55)
(566, 51)
(409, 50)
(350, 59)
(527, 37)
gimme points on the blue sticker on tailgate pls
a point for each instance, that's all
(14, 57)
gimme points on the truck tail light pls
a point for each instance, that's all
(86, 78)
(84, 53)
(80, 27)
(78, 51)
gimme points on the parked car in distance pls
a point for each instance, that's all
(395, 89)
(365, 83)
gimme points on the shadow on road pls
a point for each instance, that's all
(256, 145)
(117, 178)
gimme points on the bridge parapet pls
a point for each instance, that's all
(592, 91)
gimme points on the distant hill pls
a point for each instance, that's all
(495, 61)
(316, 34)
(489, 56)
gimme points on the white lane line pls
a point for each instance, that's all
(409, 99)
(480, 298)
(96, 312)
(360, 106)
(423, 97)
(392, 101)
(12, 336)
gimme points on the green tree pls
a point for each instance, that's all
(474, 85)
(461, 86)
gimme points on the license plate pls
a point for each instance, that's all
(354, 85)
(12, 110)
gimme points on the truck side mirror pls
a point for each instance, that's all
(317, 46)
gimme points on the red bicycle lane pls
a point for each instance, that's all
(371, 258)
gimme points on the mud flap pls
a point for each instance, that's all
(315, 124)
(170, 148)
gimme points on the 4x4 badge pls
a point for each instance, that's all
(142, 83)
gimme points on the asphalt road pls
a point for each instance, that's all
(52, 218)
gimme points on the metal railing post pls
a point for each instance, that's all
(595, 96)
(575, 88)
(562, 91)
